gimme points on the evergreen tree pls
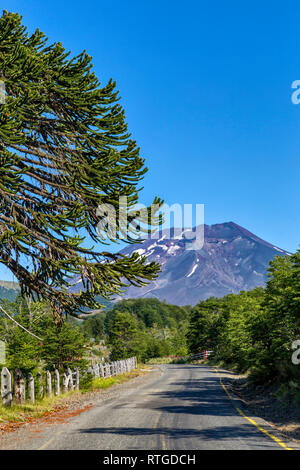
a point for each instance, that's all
(63, 345)
(64, 150)
(203, 332)
(124, 338)
(93, 327)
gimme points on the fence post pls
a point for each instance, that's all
(6, 393)
(70, 379)
(19, 387)
(48, 384)
(30, 386)
(77, 379)
(56, 383)
(96, 370)
(65, 382)
(39, 379)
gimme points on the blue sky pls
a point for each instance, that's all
(207, 91)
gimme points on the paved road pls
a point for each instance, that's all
(183, 407)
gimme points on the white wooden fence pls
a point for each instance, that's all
(114, 368)
(15, 389)
(202, 355)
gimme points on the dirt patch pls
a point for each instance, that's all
(58, 415)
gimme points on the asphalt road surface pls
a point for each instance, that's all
(181, 407)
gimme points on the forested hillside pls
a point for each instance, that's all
(151, 312)
(155, 328)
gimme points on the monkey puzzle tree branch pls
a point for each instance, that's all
(64, 151)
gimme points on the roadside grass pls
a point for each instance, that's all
(167, 360)
(117, 379)
(20, 413)
(27, 412)
(180, 360)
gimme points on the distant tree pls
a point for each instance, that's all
(124, 338)
(64, 150)
(203, 330)
(63, 346)
(238, 328)
(93, 327)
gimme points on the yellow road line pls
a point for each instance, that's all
(49, 442)
(279, 442)
(163, 442)
(163, 439)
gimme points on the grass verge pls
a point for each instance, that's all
(116, 380)
(21, 413)
(167, 360)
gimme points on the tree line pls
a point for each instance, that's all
(250, 331)
(254, 331)
(145, 328)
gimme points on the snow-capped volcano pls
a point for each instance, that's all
(231, 259)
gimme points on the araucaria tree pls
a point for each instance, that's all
(64, 150)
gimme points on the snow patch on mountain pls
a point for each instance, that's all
(140, 251)
(173, 249)
(193, 270)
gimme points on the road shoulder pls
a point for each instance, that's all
(261, 405)
(72, 407)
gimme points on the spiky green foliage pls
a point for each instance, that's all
(64, 150)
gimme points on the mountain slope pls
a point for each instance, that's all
(232, 259)
(9, 290)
